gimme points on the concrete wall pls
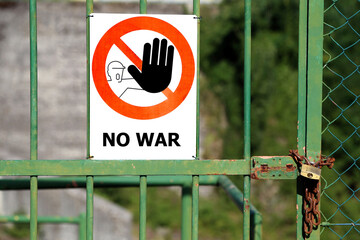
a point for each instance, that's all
(110, 221)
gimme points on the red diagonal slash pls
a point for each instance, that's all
(136, 60)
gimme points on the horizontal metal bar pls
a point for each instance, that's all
(41, 219)
(327, 224)
(103, 181)
(122, 167)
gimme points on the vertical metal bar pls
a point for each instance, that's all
(33, 82)
(143, 6)
(246, 209)
(89, 207)
(33, 207)
(89, 179)
(315, 71)
(195, 179)
(302, 65)
(196, 11)
(301, 133)
(142, 225)
(247, 116)
(257, 226)
(186, 210)
(82, 226)
(89, 10)
(314, 84)
(33, 116)
(195, 208)
(309, 94)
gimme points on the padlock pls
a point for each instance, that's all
(310, 172)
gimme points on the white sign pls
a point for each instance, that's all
(143, 86)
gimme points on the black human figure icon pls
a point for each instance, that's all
(155, 76)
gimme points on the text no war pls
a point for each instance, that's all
(123, 139)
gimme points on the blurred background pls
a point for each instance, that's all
(62, 115)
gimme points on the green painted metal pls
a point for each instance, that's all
(33, 82)
(142, 220)
(89, 179)
(123, 167)
(302, 72)
(196, 11)
(82, 226)
(277, 167)
(143, 179)
(195, 208)
(104, 182)
(247, 115)
(186, 210)
(41, 219)
(33, 207)
(301, 133)
(309, 94)
(89, 207)
(195, 178)
(143, 6)
(33, 115)
(256, 227)
(89, 10)
(314, 84)
(247, 215)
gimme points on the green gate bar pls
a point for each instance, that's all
(143, 178)
(247, 116)
(89, 178)
(186, 210)
(89, 207)
(314, 84)
(301, 133)
(195, 178)
(33, 116)
(142, 220)
(309, 94)
(143, 6)
(123, 167)
(195, 207)
(105, 182)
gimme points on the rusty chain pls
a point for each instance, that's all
(312, 215)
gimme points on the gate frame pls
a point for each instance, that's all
(309, 133)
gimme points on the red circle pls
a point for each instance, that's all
(99, 61)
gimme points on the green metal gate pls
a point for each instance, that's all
(310, 135)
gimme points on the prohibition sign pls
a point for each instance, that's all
(112, 37)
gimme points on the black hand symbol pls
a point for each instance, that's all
(155, 77)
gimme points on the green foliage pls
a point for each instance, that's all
(18, 230)
(274, 74)
(219, 218)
